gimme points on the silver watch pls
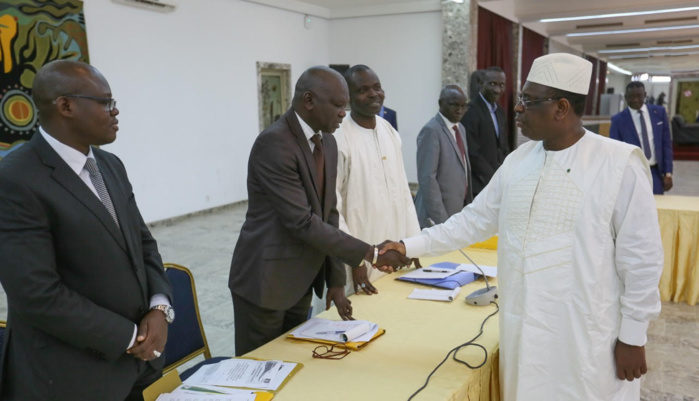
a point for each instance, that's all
(167, 310)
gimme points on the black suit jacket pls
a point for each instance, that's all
(76, 284)
(485, 149)
(288, 238)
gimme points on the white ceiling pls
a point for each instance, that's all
(674, 50)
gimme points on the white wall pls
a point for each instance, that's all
(186, 86)
(405, 51)
(618, 82)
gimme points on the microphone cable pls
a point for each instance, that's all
(456, 349)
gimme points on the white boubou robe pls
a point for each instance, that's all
(579, 260)
(373, 197)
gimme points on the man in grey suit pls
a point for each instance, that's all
(88, 298)
(289, 242)
(443, 168)
(486, 129)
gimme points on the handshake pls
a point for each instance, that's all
(389, 256)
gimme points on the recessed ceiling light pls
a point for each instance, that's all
(618, 69)
(629, 14)
(620, 31)
(648, 49)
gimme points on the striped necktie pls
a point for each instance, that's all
(98, 182)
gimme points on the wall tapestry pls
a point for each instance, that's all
(33, 33)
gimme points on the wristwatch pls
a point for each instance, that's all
(668, 174)
(167, 310)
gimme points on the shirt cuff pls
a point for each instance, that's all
(633, 332)
(133, 338)
(414, 246)
(159, 299)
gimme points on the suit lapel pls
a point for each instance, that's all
(657, 133)
(446, 131)
(73, 184)
(486, 112)
(628, 120)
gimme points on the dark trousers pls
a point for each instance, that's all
(255, 326)
(147, 376)
(658, 182)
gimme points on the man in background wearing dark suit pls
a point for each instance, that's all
(88, 298)
(443, 169)
(289, 242)
(486, 129)
(646, 126)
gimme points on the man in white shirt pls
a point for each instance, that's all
(373, 196)
(579, 252)
(646, 126)
(443, 168)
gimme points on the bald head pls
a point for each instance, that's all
(320, 97)
(453, 103)
(61, 77)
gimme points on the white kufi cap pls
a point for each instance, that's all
(562, 71)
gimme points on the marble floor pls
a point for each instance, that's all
(204, 243)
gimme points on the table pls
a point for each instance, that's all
(419, 334)
(679, 229)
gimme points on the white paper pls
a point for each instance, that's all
(435, 295)
(338, 331)
(204, 397)
(202, 389)
(264, 375)
(421, 273)
(490, 271)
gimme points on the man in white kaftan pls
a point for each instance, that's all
(579, 252)
(373, 197)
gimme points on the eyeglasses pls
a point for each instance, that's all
(109, 103)
(335, 351)
(525, 102)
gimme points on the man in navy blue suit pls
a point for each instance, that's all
(646, 126)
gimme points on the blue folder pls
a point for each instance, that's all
(455, 280)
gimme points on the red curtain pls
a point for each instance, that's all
(532, 47)
(602, 83)
(496, 48)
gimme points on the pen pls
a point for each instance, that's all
(434, 271)
(331, 332)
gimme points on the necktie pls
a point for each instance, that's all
(644, 135)
(462, 150)
(98, 182)
(320, 164)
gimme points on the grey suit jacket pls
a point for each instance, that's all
(441, 173)
(76, 284)
(486, 150)
(290, 236)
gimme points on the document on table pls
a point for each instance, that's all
(338, 331)
(202, 389)
(431, 273)
(264, 375)
(204, 397)
(490, 271)
(435, 295)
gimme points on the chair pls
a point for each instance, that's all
(684, 133)
(185, 338)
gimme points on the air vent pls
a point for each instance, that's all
(607, 25)
(163, 6)
(674, 42)
(678, 19)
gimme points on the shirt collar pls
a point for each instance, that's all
(643, 108)
(449, 124)
(491, 107)
(73, 157)
(307, 130)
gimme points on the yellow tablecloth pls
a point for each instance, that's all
(679, 229)
(419, 334)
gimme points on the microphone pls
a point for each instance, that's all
(484, 296)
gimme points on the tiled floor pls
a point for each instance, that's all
(204, 243)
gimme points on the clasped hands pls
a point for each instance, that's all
(392, 257)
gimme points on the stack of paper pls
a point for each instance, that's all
(186, 392)
(435, 295)
(248, 373)
(337, 331)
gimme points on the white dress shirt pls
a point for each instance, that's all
(649, 128)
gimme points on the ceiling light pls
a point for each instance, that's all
(660, 78)
(618, 69)
(664, 28)
(647, 49)
(629, 14)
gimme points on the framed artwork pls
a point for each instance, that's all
(273, 91)
(33, 33)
